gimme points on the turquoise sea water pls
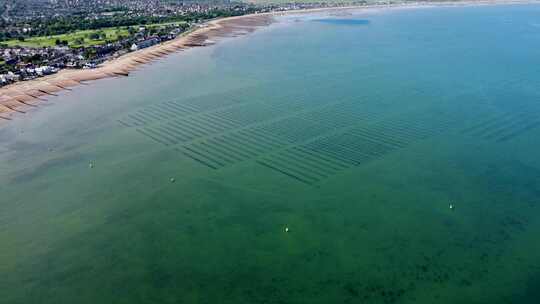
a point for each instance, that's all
(355, 130)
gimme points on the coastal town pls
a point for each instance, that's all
(42, 37)
(39, 38)
(26, 63)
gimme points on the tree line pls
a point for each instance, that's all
(63, 25)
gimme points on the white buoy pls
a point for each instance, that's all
(286, 229)
(91, 165)
(451, 206)
(172, 179)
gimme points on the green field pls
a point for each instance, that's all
(82, 38)
(74, 39)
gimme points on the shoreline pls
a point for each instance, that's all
(410, 5)
(21, 96)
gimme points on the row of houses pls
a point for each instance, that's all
(24, 63)
(27, 74)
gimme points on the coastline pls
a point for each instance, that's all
(20, 96)
(410, 5)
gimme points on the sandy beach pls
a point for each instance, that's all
(20, 96)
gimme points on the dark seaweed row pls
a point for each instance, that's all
(176, 131)
(315, 164)
(505, 127)
(167, 110)
(311, 124)
(400, 133)
(294, 129)
(198, 159)
(209, 100)
(285, 166)
(294, 105)
(490, 123)
(136, 119)
(181, 105)
(339, 119)
(352, 148)
(154, 137)
(184, 130)
(230, 146)
(250, 114)
(166, 113)
(510, 134)
(501, 123)
(169, 132)
(328, 161)
(196, 127)
(336, 118)
(337, 151)
(177, 107)
(323, 157)
(223, 121)
(156, 114)
(287, 173)
(259, 134)
(307, 169)
(379, 136)
(367, 146)
(151, 114)
(300, 165)
(221, 144)
(361, 145)
(217, 148)
(246, 114)
(509, 125)
(158, 135)
(217, 156)
(125, 124)
(483, 124)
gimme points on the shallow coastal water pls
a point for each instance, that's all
(357, 133)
